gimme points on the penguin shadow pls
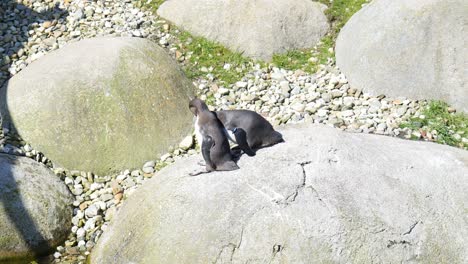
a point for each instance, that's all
(12, 40)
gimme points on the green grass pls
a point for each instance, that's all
(436, 116)
(338, 13)
(212, 56)
(153, 4)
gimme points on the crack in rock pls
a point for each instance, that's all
(379, 231)
(238, 244)
(291, 198)
(277, 248)
(392, 243)
(411, 228)
(231, 245)
(333, 158)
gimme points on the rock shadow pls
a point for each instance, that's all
(16, 20)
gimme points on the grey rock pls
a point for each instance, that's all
(98, 86)
(347, 113)
(35, 209)
(92, 211)
(148, 169)
(413, 48)
(241, 84)
(323, 196)
(258, 28)
(150, 163)
(381, 127)
(107, 196)
(186, 143)
(322, 112)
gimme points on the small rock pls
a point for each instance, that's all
(165, 156)
(92, 211)
(223, 91)
(322, 112)
(148, 170)
(186, 143)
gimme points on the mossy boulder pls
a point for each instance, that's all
(323, 196)
(101, 104)
(35, 209)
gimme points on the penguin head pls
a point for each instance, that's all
(197, 105)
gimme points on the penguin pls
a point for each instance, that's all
(249, 130)
(211, 135)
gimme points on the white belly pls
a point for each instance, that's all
(198, 134)
(230, 135)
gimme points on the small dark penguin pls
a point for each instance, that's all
(213, 139)
(250, 130)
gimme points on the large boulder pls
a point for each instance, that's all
(324, 196)
(412, 48)
(257, 28)
(101, 104)
(35, 209)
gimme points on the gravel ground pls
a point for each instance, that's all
(30, 29)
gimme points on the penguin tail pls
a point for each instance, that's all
(276, 138)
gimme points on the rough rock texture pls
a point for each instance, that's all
(35, 208)
(324, 196)
(413, 48)
(258, 28)
(101, 104)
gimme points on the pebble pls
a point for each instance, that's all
(148, 170)
(186, 143)
(92, 211)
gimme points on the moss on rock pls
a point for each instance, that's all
(101, 104)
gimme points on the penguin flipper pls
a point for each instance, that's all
(207, 144)
(241, 139)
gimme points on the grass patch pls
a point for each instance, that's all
(210, 57)
(151, 4)
(450, 127)
(338, 13)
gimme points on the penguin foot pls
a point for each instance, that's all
(196, 173)
(202, 163)
(236, 152)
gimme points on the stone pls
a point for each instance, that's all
(35, 209)
(223, 91)
(107, 99)
(268, 27)
(322, 112)
(381, 127)
(186, 143)
(411, 48)
(299, 107)
(106, 197)
(347, 113)
(148, 169)
(92, 211)
(241, 84)
(150, 163)
(323, 196)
